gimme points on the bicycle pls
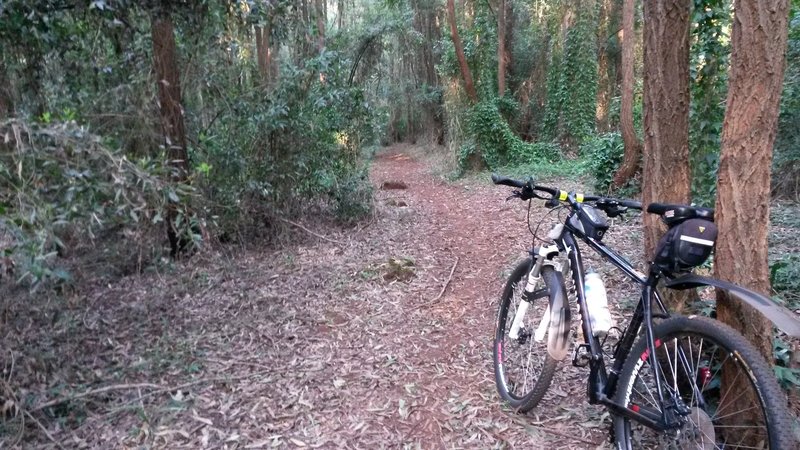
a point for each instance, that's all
(686, 382)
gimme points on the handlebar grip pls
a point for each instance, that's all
(631, 204)
(497, 179)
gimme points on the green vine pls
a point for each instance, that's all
(710, 53)
(498, 144)
(572, 83)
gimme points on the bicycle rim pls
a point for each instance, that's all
(710, 388)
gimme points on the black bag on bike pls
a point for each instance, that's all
(686, 245)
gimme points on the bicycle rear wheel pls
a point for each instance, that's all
(714, 381)
(523, 368)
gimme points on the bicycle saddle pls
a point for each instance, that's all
(673, 214)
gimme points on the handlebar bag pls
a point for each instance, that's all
(686, 245)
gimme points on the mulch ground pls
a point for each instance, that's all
(377, 336)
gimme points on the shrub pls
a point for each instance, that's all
(60, 187)
(498, 144)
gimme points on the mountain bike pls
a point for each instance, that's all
(674, 381)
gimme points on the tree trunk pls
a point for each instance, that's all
(604, 83)
(748, 133)
(501, 48)
(319, 11)
(665, 173)
(6, 98)
(509, 43)
(462, 60)
(165, 61)
(633, 148)
(263, 53)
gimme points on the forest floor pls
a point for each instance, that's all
(341, 342)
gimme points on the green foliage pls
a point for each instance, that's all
(603, 154)
(784, 276)
(497, 142)
(300, 145)
(710, 51)
(786, 161)
(788, 377)
(59, 185)
(572, 84)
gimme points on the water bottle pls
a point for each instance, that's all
(597, 304)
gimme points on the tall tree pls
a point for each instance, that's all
(165, 60)
(319, 12)
(748, 133)
(665, 172)
(6, 99)
(604, 83)
(469, 86)
(633, 147)
(501, 48)
(263, 52)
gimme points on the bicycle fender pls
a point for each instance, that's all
(559, 330)
(783, 318)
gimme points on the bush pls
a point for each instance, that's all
(282, 151)
(61, 188)
(498, 144)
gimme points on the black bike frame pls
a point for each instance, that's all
(602, 382)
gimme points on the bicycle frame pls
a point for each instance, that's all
(602, 382)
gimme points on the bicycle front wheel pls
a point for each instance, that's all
(716, 386)
(523, 368)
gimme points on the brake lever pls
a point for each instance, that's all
(514, 194)
(551, 203)
(616, 211)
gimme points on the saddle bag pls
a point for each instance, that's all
(686, 245)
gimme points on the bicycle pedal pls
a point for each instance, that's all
(581, 355)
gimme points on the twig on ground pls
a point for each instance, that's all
(309, 231)
(44, 429)
(18, 407)
(567, 436)
(446, 283)
(113, 387)
(179, 387)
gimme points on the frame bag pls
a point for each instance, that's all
(686, 245)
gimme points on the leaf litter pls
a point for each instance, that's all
(308, 345)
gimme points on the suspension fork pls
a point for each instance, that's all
(540, 255)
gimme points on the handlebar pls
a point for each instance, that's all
(529, 190)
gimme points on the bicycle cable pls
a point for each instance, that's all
(535, 232)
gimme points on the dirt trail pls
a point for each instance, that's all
(303, 346)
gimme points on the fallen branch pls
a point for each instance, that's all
(122, 387)
(446, 283)
(113, 387)
(309, 231)
(44, 429)
(566, 436)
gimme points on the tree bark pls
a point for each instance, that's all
(665, 172)
(6, 98)
(165, 60)
(263, 52)
(633, 147)
(319, 11)
(604, 83)
(501, 48)
(743, 187)
(469, 86)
